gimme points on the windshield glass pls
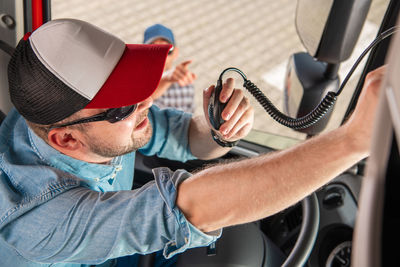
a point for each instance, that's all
(256, 36)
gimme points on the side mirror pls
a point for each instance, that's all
(329, 29)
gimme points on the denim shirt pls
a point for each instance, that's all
(59, 211)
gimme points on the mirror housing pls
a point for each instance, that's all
(306, 83)
(329, 29)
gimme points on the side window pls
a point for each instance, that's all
(255, 36)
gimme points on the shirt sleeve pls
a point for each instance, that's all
(89, 227)
(188, 235)
(170, 134)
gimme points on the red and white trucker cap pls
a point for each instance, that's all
(67, 65)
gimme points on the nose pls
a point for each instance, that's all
(141, 107)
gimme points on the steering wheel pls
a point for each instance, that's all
(308, 233)
(246, 245)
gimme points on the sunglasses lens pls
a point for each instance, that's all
(118, 114)
(171, 50)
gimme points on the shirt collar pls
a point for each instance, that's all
(81, 169)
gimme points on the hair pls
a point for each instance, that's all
(43, 130)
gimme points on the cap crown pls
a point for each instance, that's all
(67, 65)
(63, 43)
(158, 31)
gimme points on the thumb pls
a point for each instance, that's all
(206, 99)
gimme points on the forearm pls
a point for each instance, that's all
(201, 143)
(256, 188)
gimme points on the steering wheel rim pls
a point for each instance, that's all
(308, 233)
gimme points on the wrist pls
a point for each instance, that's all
(358, 139)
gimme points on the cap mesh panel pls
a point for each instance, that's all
(37, 94)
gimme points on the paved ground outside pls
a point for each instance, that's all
(256, 36)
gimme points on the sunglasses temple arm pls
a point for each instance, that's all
(97, 117)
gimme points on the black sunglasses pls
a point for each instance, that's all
(111, 115)
(171, 50)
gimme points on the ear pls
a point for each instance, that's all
(64, 140)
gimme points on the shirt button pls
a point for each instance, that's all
(113, 176)
(118, 168)
(96, 179)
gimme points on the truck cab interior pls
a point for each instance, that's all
(349, 222)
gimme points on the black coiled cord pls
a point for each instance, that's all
(295, 123)
(323, 107)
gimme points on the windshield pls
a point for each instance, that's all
(256, 36)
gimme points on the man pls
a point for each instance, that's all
(65, 180)
(176, 85)
(66, 197)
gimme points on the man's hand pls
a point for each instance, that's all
(238, 113)
(361, 122)
(181, 74)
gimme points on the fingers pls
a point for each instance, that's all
(370, 92)
(361, 122)
(227, 90)
(374, 78)
(238, 113)
(239, 120)
(186, 63)
(233, 104)
(182, 75)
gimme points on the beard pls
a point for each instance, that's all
(111, 150)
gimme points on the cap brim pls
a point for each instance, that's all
(152, 39)
(134, 78)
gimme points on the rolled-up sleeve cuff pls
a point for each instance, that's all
(186, 235)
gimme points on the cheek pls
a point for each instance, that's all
(168, 62)
(119, 132)
(127, 125)
(124, 130)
